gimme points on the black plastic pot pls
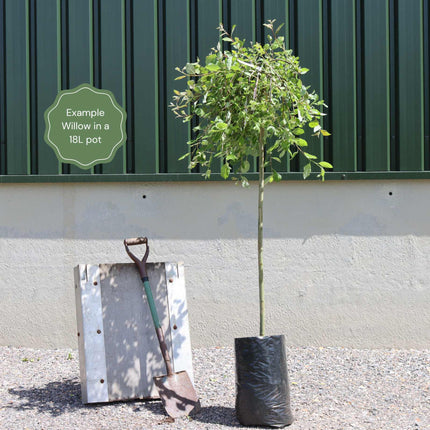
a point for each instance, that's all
(262, 387)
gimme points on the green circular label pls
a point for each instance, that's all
(85, 126)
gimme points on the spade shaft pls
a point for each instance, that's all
(157, 325)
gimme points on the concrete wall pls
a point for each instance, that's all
(346, 263)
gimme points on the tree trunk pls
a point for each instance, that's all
(260, 231)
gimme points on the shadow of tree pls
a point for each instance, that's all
(59, 397)
(55, 398)
(218, 415)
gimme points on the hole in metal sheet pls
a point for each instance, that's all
(79, 334)
(144, 196)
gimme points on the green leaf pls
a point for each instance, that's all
(245, 166)
(225, 171)
(325, 133)
(279, 28)
(325, 164)
(210, 59)
(310, 156)
(189, 68)
(268, 180)
(276, 176)
(313, 124)
(180, 77)
(307, 170)
(301, 142)
(213, 67)
(292, 154)
(184, 156)
(221, 125)
(227, 39)
(298, 131)
(229, 62)
(271, 129)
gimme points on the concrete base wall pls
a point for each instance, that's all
(346, 263)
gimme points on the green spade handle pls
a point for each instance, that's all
(151, 302)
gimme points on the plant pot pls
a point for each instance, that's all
(262, 387)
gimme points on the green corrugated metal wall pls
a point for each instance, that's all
(369, 60)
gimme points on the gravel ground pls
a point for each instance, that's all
(331, 388)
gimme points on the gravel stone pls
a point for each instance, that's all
(331, 388)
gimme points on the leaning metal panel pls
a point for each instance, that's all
(181, 354)
(91, 334)
(132, 354)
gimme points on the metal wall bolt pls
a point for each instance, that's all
(175, 327)
(102, 381)
(99, 331)
(171, 280)
(95, 283)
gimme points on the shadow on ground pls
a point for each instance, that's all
(217, 415)
(57, 398)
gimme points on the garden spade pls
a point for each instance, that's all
(175, 389)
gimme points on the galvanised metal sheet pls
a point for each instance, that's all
(118, 348)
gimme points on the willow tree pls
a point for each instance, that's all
(249, 101)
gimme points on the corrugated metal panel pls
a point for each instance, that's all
(343, 101)
(177, 48)
(309, 49)
(79, 54)
(374, 133)
(48, 80)
(369, 61)
(142, 68)
(410, 85)
(16, 51)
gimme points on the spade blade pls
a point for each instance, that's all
(177, 394)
